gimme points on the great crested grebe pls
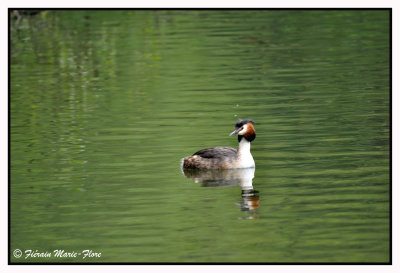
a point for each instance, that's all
(226, 157)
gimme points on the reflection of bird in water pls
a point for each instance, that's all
(221, 178)
(226, 157)
(250, 200)
(226, 178)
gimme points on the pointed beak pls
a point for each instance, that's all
(235, 132)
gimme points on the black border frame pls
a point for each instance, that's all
(209, 263)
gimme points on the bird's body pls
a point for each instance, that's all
(226, 157)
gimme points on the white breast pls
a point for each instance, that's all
(245, 159)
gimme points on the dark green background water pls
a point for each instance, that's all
(104, 104)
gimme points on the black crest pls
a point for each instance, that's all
(242, 122)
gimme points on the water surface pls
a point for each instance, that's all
(104, 104)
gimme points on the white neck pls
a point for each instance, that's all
(245, 158)
(244, 146)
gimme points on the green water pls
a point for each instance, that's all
(104, 104)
